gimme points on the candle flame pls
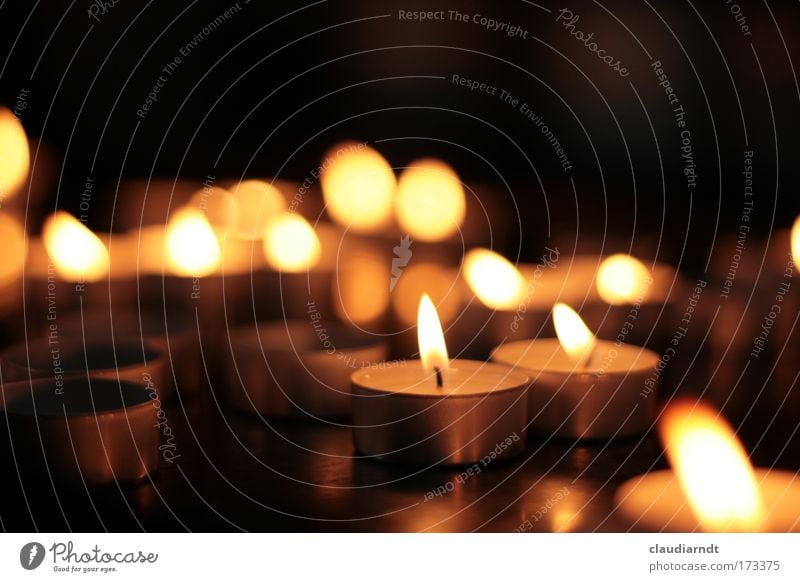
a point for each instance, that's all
(77, 253)
(623, 279)
(432, 347)
(358, 185)
(14, 154)
(796, 242)
(575, 338)
(494, 280)
(192, 248)
(713, 468)
(291, 245)
(430, 202)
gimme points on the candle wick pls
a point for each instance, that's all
(439, 377)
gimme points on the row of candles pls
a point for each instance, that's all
(428, 411)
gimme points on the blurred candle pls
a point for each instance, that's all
(358, 185)
(256, 203)
(14, 155)
(290, 244)
(192, 249)
(77, 253)
(430, 204)
(714, 487)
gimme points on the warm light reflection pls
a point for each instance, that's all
(796, 242)
(257, 202)
(494, 280)
(713, 468)
(432, 347)
(14, 154)
(623, 279)
(575, 338)
(218, 205)
(358, 185)
(362, 286)
(192, 248)
(430, 202)
(290, 244)
(77, 253)
(425, 278)
(12, 236)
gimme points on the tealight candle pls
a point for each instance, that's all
(435, 410)
(583, 387)
(713, 487)
(298, 369)
(86, 433)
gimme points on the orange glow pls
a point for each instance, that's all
(362, 290)
(192, 249)
(77, 253)
(796, 242)
(441, 285)
(622, 279)
(257, 202)
(291, 245)
(430, 202)
(13, 237)
(14, 154)
(575, 338)
(358, 185)
(494, 280)
(713, 468)
(218, 205)
(432, 347)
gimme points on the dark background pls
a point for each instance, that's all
(278, 83)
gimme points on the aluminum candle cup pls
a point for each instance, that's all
(614, 397)
(401, 415)
(655, 502)
(173, 334)
(298, 369)
(79, 432)
(62, 358)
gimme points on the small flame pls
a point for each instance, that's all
(14, 154)
(713, 468)
(192, 248)
(358, 185)
(575, 338)
(291, 245)
(430, 202)
(494, 280)
(796, 242)
(623, 279)
(432, 347)
(77, 253)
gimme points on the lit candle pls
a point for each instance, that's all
(14, 155)
(435, 410)
(583, 387)
(712, 487)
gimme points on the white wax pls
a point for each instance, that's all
(464, 378)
